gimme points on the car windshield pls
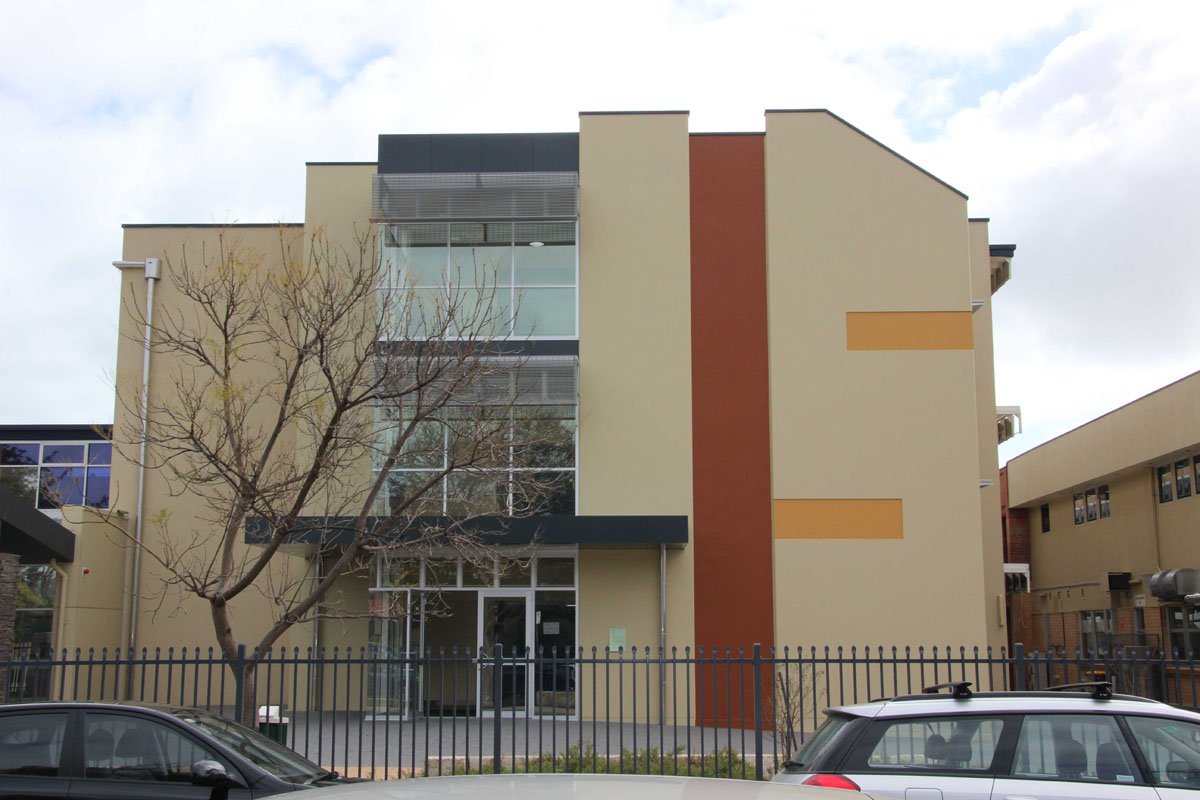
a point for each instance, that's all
(254, 747)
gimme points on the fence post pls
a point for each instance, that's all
(1019, 666)
(497, 716)
(758, 713)
(239, 682)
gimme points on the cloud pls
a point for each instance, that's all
(1088, 166)
(1071, 124)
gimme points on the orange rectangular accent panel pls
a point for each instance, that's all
(839, 519)
(909, 330)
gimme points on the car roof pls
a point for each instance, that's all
(118, 705)
(579, 787)
(1014, 703)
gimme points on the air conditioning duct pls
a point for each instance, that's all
(1174, 584)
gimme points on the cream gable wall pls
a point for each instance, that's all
(852, 227)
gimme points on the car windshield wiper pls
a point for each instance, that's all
(323, 775)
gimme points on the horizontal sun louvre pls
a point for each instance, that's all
(476, 195)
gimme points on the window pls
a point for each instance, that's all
(534, 476)
(1139, 627)
(54, 474)
(817, 745)
(33, 622)
(1095, 629)
(1074, 747)
(1183, 625)
(258, 750)
(1080, 514)
(459, 573)
(1183, 479)
(1196, 472)
(31, 744)
(1045, 517)
(1105, 507)
(131, 748)
(507, 279)
(556, 572)
(1171, 748)
(944, 744)
(1090, 502)
(1164, 484)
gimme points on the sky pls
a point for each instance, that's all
(1072, 125)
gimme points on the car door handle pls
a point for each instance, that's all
(1018, 797)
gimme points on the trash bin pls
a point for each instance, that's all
(272, 724)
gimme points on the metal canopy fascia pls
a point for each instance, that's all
(29, 533)
(601, 531)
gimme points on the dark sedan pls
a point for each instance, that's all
(94, 750)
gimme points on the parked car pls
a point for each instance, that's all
(574, 787)
(96, 750)
(1084, 742)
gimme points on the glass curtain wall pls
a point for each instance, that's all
(449, 608)
(504, 279)
(534, 476)
(54, 474)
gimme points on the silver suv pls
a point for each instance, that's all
(1085, 742)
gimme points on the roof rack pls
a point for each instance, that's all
(961, 690)
(1100, 690)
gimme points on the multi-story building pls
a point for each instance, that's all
(42, 469)
(1109, 514)
(773, 355)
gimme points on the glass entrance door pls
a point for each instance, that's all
(504, 620)
(392, 679)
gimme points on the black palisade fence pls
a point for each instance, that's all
(719, 712)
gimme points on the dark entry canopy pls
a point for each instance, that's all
(618, 531)
(30, 534)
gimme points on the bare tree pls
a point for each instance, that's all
(298, 383)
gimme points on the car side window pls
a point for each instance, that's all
(1171, 748)
(127, 747)
(943, 744)
(31, 744)
(1074, 747)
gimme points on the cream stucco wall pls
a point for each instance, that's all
(89, 615)
(168, 616)
(635, 434)
(989, 463)
(1079, 557)
(635, 402)
(852, 227)
(337, 200)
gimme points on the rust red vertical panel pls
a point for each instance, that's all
(731, 461)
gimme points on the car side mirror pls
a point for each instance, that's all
(211, 773)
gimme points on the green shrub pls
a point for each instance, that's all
(723, 763)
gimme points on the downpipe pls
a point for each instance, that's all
(133, 567)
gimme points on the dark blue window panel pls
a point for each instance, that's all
(97, 486)
(19, 454)
(62, 454)
(61, 486)
(100, 453)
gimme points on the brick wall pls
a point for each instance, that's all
(1017, 545)
(9, 570)
(1061, 628)
(1020, 621)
